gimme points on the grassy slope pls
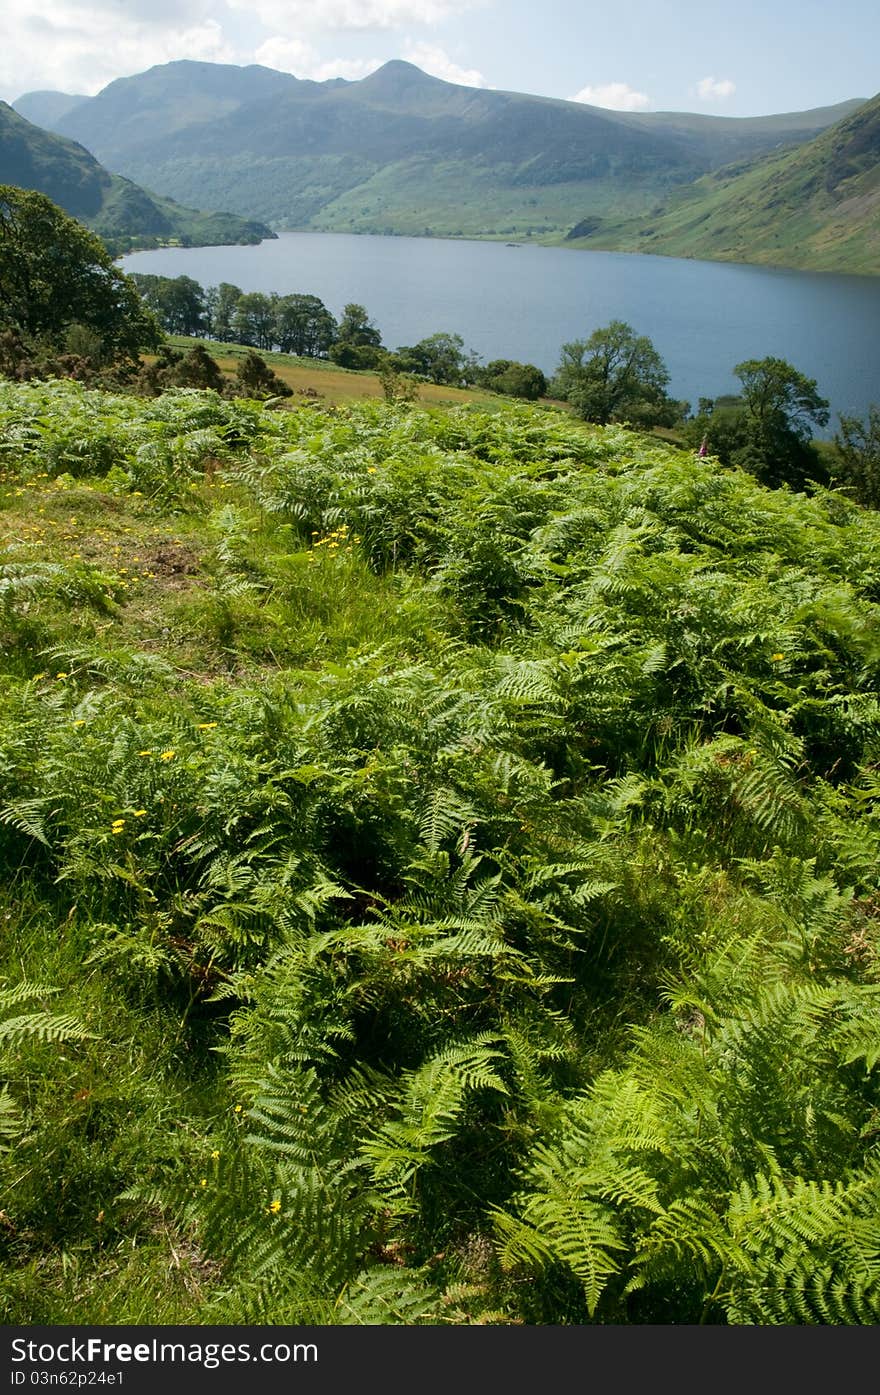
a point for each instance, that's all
(241, 646)
(321, 380)
(817, 208)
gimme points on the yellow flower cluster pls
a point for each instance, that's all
(340, 537)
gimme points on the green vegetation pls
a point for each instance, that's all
(56, 276)
(123, 214)
(514, 379)
(302, 325)
(857, 463)
(440, 867)
(767, 429)
(439, 848)
(617, 375)
(816, 207)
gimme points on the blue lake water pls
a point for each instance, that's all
(523, 302)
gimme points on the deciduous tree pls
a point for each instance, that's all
(616, 375)
(304, 326)
(857, 468)
(54, 273)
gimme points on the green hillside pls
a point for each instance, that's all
(400, 151)
(438, 873)
(817, 207)
(119, 210)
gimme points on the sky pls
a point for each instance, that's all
(748, 59)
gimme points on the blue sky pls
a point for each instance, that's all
(753, 58)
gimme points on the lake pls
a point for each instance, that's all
(523, 302)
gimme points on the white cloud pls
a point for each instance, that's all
(81, 45)
(434, 60)
(300, 58)
(617, 96)
(711, 89)
(292, 16)
(76, 47)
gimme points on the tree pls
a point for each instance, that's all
(220, 303)
(177, 302)
(766, 429)
(397, 386)
(358, 341)
(857, 464)
(440, 358)
(514, 379)
(171, 368)
(304, 326)
(54, 273)
(256, 379)
(182, 305)
(780, 406)
(616, 375)
(253, 320)
(356, 327)
(777, 395)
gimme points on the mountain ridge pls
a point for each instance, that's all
(401, 151)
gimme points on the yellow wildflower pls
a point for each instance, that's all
(167, 755)
(148, 752)
(206, 726)
(275, 1207)
(777, 658)
(139, 813)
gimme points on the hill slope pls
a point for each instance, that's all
(400, 151)
(116, 208)
(816, 207)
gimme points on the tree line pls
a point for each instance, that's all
(301, 324)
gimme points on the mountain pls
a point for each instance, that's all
(45, 108)
(815, 207)
(115, 207)
(400, 151)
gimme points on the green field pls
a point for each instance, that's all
(439, 863)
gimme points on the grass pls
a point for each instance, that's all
(322, 382)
